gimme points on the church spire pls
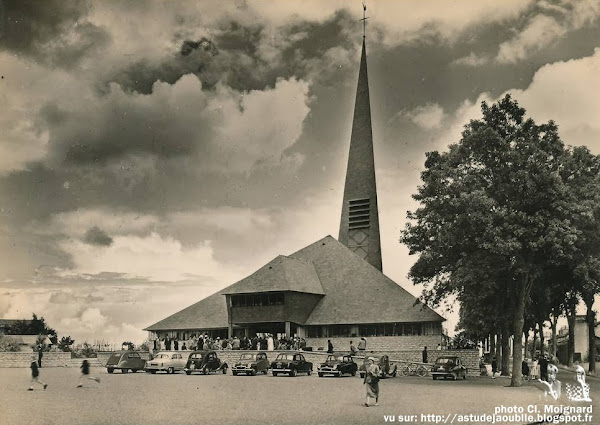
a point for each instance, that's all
(359, 224)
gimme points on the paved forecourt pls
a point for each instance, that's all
(225, 399)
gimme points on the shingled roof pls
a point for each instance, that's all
(355, 291)
(208, 313)
(281, 274)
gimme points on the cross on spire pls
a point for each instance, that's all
(364, 19)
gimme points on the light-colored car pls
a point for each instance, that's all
(168, 361)
(251, 364)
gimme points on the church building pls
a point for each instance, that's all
(330, 289)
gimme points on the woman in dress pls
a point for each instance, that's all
(372, 375)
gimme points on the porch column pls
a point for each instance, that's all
(288, 329)
(230, 331)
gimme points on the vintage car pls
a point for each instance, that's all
(337, 365)
(125, 362)
(251, 364)
(167, 361)
(204, 362)
(448, 367)
(291, 363)
(388, 370)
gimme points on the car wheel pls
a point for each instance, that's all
(253, 373)
(353, 373)
(205, 370)
(152, 372)
(170, 370)
(224, 371)
(188, 372)
(454, 377)
(309, 372)
(434, 378)
(464, 376)
(274, 373)
(362, 375)
(234, 373)
(124, 370)
(134, 370)
(110, 370)
(293, 372)
(320, 375)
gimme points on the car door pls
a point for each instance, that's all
(177, 361)
(261, 362)
(301, 363)
(212, 361)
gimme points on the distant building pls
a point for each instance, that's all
(581, 340)
(6, 324)
(329, 289)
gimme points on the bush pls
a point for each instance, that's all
(8, 344)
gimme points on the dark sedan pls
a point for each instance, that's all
(337, 365)
(125, 362)
(204, 362)
(291, 364)
(251, 364)
(449, 367)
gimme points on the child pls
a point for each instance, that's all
(35, 375)
(85, 371)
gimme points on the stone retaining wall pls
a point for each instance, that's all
(380, 343)
(23, 359)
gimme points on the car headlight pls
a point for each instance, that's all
(335, 367)
(249, 364)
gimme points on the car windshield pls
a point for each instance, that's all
(335, 358)
(444, 360)
(285, 357)
(161, 356)
(196, 356)
(248, 357)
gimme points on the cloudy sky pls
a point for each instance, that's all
(152, 153)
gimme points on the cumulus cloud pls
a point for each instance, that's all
(471, 60)
(545, 29)
(96, 236)
(428, 116)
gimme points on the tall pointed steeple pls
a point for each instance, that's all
(359, 225)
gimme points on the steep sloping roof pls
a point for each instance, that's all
(280, 274)
(209, 313)
(356, 292)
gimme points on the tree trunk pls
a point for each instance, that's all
(571, 345)
(498, 350)
(492, 345)
(591, 323)
(554, 336)
(526, 343)
(534, 348)
(518, 322)
(505, 351)
(541, 326)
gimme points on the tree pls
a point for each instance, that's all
(34, 326)
(128, 345)
(65, 343)
(497, 193)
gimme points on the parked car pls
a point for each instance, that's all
(167, 361)
(251, 364)
(292, 364)
(448, 367)
(125, 362)
(388, 370)
(337, 365)
(204, 362)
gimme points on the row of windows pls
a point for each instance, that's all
(250, 300)
(384, 329)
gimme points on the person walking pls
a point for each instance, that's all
(85, 373)
(329, 347)
(372, 375)
(424, 354)
(494, 367)
(352, 349)
(40, 355)
(35, 375)
(543, 363)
